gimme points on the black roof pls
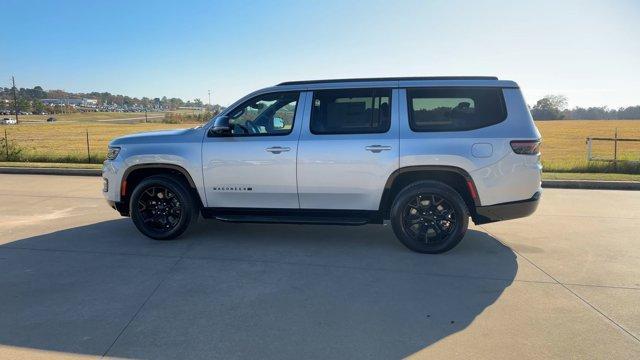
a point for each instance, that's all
(389, 79)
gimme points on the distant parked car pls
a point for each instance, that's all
(8, 121)
(52, 119)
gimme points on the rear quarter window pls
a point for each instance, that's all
(454, 109)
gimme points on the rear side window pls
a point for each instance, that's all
(351, 111)
(455, 109)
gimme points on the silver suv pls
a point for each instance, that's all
(424, 153)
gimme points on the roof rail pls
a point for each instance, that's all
(389, 79)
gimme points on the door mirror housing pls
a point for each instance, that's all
(221, 127)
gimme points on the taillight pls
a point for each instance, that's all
(526, 147)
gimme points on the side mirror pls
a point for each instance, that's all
(278, 123)
(220, 127)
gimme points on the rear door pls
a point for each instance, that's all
(348, 148)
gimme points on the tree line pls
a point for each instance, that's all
(554, 107)
(30, 99)
(550, 107)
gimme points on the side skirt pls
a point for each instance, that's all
(294, 216)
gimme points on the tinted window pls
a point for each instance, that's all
(454, 109)
(267, 114)
(351, 111)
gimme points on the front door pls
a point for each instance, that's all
(255, 166)
(348, 149)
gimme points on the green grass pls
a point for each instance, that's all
(590, 176)
(49, 165)
(578, 166)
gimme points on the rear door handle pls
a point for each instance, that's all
(377, 148)
(277, 149)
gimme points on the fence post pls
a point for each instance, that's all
(615, 145)
(88, 152)
(6, 143)
(615, 150)
(588, 149)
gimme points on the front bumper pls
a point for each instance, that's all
(111, 186)
(506, 211)
(119, 206)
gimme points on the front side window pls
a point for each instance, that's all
(351, 111)
(454, 109)
(267, 114)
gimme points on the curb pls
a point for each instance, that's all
(591, 184)
(549, 184)
(50, 171)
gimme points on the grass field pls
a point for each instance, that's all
(564, 146)
(563, 149)
(62, 142)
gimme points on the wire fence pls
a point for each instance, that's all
(618, 154)
(67, 143)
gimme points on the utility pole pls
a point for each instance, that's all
(209, 91)
(15, 98)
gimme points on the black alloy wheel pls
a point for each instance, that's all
(162, 207)
(429, 217)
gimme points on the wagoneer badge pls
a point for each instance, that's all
(232, 188)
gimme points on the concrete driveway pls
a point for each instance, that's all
(77, 280)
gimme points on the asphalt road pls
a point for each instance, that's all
(78, 280)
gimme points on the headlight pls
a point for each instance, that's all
(112, 153)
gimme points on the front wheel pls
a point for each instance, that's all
(162, 207)
(429, 217)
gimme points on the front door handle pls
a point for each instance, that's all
(377, 148)
(277, 149)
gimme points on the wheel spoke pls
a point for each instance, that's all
(429, 218)
(160, 208)
(422, 230)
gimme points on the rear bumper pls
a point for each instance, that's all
(506, 211)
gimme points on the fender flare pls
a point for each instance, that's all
(177, 168)
(471, 186)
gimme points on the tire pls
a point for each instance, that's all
(432, 205)
(170, 215)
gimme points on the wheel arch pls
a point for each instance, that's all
(136, 173)
(458, 178)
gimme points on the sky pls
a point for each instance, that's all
(586, 50)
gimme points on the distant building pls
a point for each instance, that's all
(71, 102)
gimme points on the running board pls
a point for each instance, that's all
(292, 216)
(291, 220)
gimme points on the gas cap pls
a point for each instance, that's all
(482, 150)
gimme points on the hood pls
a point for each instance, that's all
(155, 136)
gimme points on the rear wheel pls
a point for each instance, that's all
(429, 217)
(162, 207)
